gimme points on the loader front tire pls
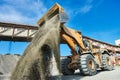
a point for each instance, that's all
(64, 66)
(87, 65)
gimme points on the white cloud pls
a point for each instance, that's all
(99, 3)
(16, 18)
(89, 1)
(84, 9)
(22, 11)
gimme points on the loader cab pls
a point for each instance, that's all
(87, 44)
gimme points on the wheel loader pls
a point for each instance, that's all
(84, 55)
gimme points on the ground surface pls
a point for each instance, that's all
(7, 63)
(101, 75)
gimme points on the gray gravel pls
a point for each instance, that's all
(101, 75)
(7, 64)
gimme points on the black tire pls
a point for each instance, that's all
(64, 66)
(107, 63)
(87, 65)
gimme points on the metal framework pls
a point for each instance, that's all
(103, 45)
(16, 32)
(24, 33)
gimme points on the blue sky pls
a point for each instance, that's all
(98, 19)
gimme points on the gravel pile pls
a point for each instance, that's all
(7, 64)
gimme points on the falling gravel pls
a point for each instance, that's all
(41, 59)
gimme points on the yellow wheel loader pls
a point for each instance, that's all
(84, 56)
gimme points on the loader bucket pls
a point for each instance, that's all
(55, 10)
